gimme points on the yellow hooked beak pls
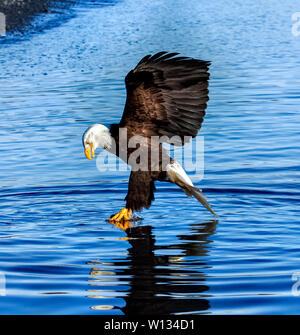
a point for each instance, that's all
(89, 151)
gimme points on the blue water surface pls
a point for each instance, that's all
(59, 255)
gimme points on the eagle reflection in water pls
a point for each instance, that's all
(159, 284)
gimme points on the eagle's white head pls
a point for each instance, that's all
(94, 137)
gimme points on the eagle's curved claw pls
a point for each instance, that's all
(123, 215)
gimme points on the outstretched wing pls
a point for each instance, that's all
(166, 95)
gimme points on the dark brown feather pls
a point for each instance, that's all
(140, 190)
(166, 95)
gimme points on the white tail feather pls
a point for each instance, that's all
(179, 177)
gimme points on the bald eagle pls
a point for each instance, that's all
(166, 102)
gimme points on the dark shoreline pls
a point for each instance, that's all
(19, 12)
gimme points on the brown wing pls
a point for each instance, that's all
(166, 95)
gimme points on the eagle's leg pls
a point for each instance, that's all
(123, 215)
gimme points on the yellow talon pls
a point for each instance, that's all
(123, 215)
